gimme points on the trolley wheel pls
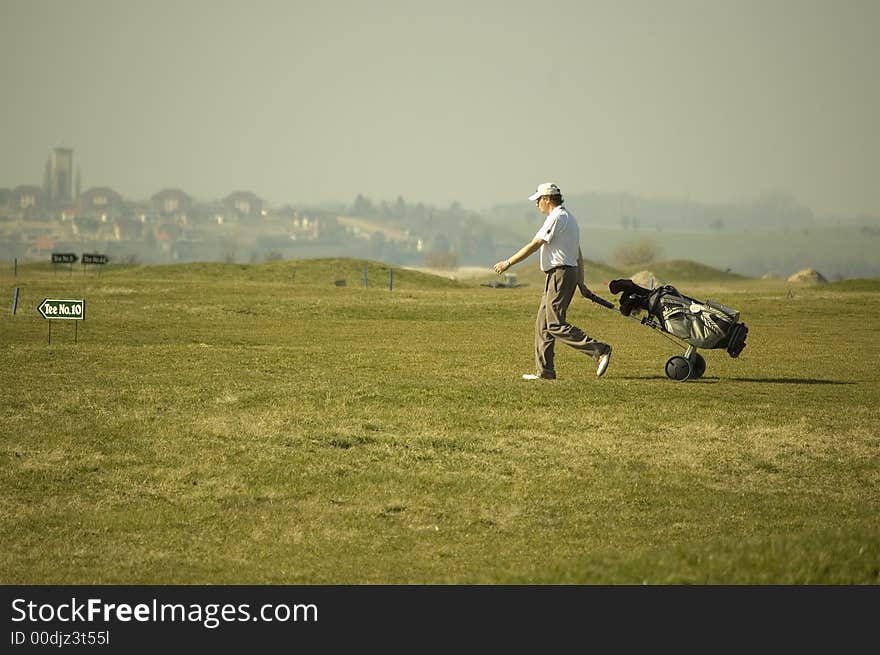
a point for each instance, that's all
(698, 367)
(678, 368)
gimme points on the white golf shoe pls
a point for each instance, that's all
(544, 376)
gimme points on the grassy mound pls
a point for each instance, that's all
(859, 284)
(319, 272)
(596, 274)
(679, 270)
(601, 271)
(673, 271)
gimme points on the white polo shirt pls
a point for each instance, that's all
(561, 237)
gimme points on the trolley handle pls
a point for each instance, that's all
(600, 301)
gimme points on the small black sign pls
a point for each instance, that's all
(94, 259)
(63, 258)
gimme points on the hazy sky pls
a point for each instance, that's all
(473, 101)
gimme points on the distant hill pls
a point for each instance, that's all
(598, 274)
(773, 235)
(690, 271)
(628, 212)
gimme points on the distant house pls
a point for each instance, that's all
(167, 232)
(127, 229)
(171, 202)
(85, 226)
(99, 199)
(28, 199)
(43, 243)
(286, 212)
(244, 203)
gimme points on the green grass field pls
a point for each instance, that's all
(260, 424)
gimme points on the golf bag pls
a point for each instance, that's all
(700, 324)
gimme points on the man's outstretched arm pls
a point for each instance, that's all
(521, 254)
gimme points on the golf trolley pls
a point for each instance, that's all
(686, 322)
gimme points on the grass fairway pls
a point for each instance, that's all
(261, 424)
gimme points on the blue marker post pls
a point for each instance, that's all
(391, 279)
(14, 301)
(365, 276)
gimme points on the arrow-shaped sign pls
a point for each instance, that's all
(72, 310)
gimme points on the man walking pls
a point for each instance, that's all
(562, 261)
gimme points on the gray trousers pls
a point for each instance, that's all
(550, 324)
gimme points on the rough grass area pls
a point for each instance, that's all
(264, 424)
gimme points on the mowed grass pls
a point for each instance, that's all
(229, 424)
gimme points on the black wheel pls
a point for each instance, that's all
(678, 368)
(698, 367)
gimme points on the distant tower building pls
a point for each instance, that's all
(60, 174)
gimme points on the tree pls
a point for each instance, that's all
(633, 253)
(362, 206)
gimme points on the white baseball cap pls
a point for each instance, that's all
(546, 189)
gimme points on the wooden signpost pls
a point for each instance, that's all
(70, 310)
(93, 259)
(89, 258)
(63, 258)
